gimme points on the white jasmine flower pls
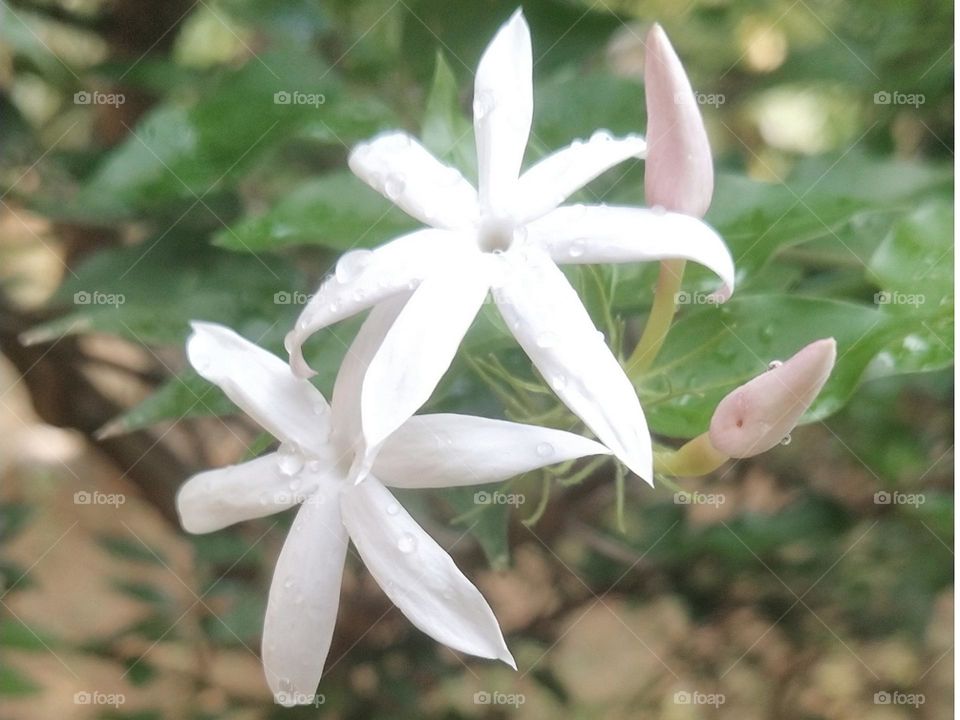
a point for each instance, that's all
(312, 469)
(507, 238)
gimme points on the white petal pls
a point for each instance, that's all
(260, 384)
(402, 170)
(600, 234)
(304, 597)
(502, 112)
(446, 450)
(553, 179)
(346, 389)
(418, 575)
(420, 345)
(365, 277)
(549, 321)
(217, 498)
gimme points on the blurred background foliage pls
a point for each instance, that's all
(203, 195)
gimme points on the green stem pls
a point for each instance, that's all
(661, 317)
(697, 457)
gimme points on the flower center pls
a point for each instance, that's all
(496, 234)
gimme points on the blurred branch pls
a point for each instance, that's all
(63, 396)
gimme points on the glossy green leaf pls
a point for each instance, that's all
(336, 210)
(712, 350)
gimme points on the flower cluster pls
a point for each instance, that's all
(504, 238)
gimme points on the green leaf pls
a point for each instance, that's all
(337, 211)
(488, 524)
(712, 350)
(446, 131)
(120, 292)
(13, 683)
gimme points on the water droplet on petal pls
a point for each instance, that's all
(577, 248)
(545, 449)
(352, 264)
(290, 460)
(313, 466)
(483, 104)
(394, 186)
(659, 210)
(393, 509)
(774, 364)
(786, 440)
(601, 136)
(288, 583)
(407, 543)
(558, 382)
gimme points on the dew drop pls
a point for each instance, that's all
(786, 440)
(407, 543)
(290, 460)
(545, 449)
(602, 136)
(558, 382)
(352, 264)
(774, 364)
(288, 583)
(313, 466)
(577, 248)
(394, 186)
(483, 104)
(659, 210)
(393, 509)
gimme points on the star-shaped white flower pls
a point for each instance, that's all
(312, 468)
(507, 238)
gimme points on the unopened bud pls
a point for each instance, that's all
(679, 169)
(760, 414)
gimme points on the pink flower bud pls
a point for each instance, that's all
(679, 169)
(758, 415)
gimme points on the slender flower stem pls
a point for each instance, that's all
(661, 317)
(697, 457)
